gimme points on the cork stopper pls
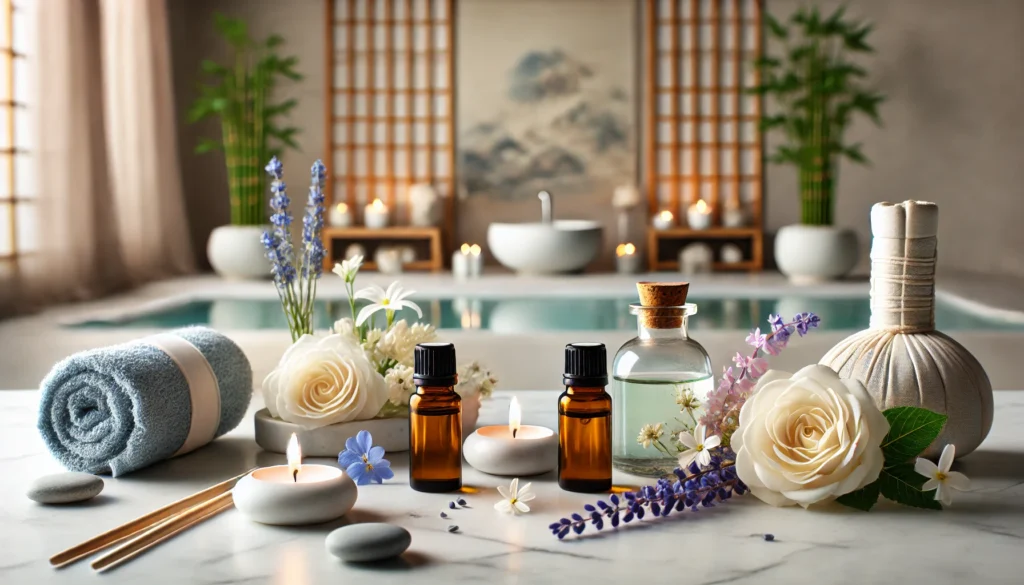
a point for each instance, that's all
(665, 300)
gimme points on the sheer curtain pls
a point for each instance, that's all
(111, 208)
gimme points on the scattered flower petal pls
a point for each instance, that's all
(514, 499)
(363, 462)
(940, 478)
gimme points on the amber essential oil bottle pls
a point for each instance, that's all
(435, 421)
(585, 421)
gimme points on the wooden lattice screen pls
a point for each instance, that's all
(390, 108)
(702, 137)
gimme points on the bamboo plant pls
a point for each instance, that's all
(817, 89)
(238, 94)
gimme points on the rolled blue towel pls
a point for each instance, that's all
(120, 408)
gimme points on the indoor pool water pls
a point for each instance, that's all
(524, 315)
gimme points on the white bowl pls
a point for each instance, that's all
(545, 248)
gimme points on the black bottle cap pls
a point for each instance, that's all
(586, 365)
(434, 365)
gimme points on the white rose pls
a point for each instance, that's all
(324, 381)
(808, 437)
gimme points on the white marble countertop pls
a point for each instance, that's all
(979, 540)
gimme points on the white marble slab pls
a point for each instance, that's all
(979, 540)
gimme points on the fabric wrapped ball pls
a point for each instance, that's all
(927, 370)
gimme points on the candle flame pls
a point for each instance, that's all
(474, 250)
(294, 455)
(342, 208)
(626, 249)
(666, 215)
(378, 205)
(515, 415)
(701, 206)
(464, 249)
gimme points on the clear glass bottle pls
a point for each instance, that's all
(660, 376)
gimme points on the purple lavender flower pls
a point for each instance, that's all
(805, 321)
(313, 222)
(756, 339)
(776, 322)
(694, 487)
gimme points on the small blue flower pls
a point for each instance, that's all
(363, 462)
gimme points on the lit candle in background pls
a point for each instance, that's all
(627, 261)
(376, 216)
(698, 216)
(294, 493)
(734, 216)
(339, 216)
(663, 220)
(467, 261)
(514, 449)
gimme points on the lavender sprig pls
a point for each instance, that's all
(694, 488)
(724, 402)
(296, 280)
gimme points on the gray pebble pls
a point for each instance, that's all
(372, 541)
(65, 488)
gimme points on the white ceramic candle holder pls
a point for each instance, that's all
(698, 216)
(318, 493)
(734, 217)
(467, 262)
(493, 450)
(627, 261)
(339, 216)
(376, 215)
(663, 220)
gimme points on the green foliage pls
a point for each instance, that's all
(237, 94)
(818, 91)
(911, 430)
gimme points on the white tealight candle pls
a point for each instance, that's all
(513, 450)
(698, 216)
(627, 261)
(295, 494)
(376, 215)
(663, 220)
(339, 216)
(467, 262)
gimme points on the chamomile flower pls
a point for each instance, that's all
(649, 434)
(698, 445)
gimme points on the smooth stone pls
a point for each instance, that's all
(371, 541)
(65, 488)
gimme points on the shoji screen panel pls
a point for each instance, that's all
(390, 106)
(702, 136)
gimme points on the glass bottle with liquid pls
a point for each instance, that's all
(585, 421)
(435, 421)
(662, 376)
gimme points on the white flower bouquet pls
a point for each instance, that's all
(361, 371)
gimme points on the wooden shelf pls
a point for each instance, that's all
(656, 238)
(429, 237)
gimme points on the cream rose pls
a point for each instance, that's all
(808, 437)
(322, 381)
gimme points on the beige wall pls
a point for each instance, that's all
(953, 131)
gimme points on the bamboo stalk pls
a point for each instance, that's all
(128, 529)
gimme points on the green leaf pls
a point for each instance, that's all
(901, 484)
(862, 499)
(911, 430)
(853, 153)
(775, 27)
(207, 145)
(274, 41)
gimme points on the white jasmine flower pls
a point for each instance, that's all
(940, 478)
(400, 341)
(349, 267)
(514, 499)
(475, 380)
(699, 446)
(344, 326)
(391, 300)
(649, 434)
(400, 385)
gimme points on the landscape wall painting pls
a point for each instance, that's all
(546, 100)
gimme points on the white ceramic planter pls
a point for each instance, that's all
(545, 248)
(814, 253)
(235, 251)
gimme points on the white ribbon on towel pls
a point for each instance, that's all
(203, 388)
